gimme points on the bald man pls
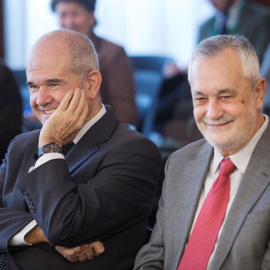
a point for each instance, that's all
(56, 204)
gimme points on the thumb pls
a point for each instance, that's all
(98, 248)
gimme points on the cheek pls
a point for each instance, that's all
(198, 113)
(62, 22)
(58, 95)
(32, 100)
(78, 22)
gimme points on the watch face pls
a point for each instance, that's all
(51, 148)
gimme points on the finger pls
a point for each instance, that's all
(75, 100)
(90, 254)
(82, 102)
(66, 101)
(82, 109)
(83, 258)
(98, 248)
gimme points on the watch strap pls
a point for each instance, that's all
(51, 147)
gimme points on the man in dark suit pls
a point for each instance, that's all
(243, 17)
(215, 207)
(101, 190)
(117, 88)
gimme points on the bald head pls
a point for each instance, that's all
(59, 62)
(77, 47)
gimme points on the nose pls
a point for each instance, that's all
(214, 110)
(43, 97)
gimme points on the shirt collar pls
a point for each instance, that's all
(89, 124)
(242, 157)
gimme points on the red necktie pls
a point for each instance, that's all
(204, 234)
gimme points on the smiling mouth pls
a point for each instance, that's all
(217, 123)
(50, 111)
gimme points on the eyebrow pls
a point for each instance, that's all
(226, 91)
(218, 92)
(54, 80)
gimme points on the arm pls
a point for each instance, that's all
(12, 221)
(10, 226)
(151, 256)
(120, 192)
(266, 259)
(75, 254)
(111, 192)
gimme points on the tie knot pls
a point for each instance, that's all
(226, 167)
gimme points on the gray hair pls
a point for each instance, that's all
(83, 54)
(214, 46)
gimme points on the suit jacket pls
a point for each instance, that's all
(118, 86)
(243, 243)
(103, 190)
(253, 24)
(10, 109)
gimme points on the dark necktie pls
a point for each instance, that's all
(67, 147)
(3, 261)
(204, 234)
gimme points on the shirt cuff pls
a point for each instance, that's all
(47, 157)
(18, 239)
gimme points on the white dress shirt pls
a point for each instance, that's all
(18, 239)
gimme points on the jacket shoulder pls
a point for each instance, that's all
(191, 150)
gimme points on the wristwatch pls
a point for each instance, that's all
(51, 147)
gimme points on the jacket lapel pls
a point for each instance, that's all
(254, 182)
(89, 144)
(188, 196)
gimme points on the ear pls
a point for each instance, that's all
(259, 92)
(92, 84)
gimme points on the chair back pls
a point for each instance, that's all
(148, 75)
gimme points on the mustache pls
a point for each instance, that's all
(221, 121)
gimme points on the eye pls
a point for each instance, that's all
(200, 99)
(33, 88)
(225, 97)
(54, 85)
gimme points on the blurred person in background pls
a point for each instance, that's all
(117, 88)
(243, 17)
